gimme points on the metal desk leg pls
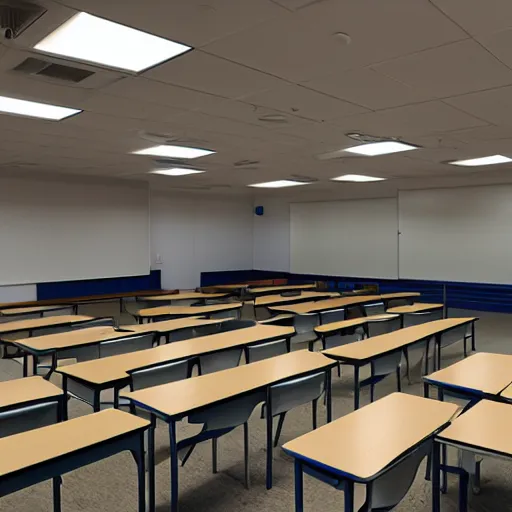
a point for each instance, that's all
(34, 365)
(139, 456)
(174, 466)
(349, 496)
(463, 491)
(356, 387)
(473, 340)
(426, 390)
(436, 493)
(328, 393)
(57, 482)
(299, 488)
(151, 464)
(96, 404)
(25, 364)
(270, 435)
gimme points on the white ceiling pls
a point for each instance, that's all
(434, 73)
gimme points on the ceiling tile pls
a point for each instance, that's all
(409, 121)
(449, 70)
(368, 88)
(499, 44)
(208, 73)
(297, 100)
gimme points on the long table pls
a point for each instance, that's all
(49, 452)
(186, 296)
(41, 323)
(112, 372)
(272, 300)
(31, 310)
(364, 352)
(263, 290)
(181, 311)
(347, 450)
(174, 401)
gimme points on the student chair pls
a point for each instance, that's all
(304, 325)
(265, 350)
(334, 315)
(377, 308)
(218, 361)
(159, 374)
(233, 325)
(126, 345)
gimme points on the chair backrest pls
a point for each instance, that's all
(96, 322)
(205, 330)
(391, 487)
(341, 339)
(182, 334)
(395, 303)
(125, 345)
(376, 308)
(248, 311)
(376, 328)
(306, 322)
(230, 313)
(290, 394)
(219, 361)
(454, 335)
(160, 374)
(233, 325)
(387, 364)
(81, 354)
(28, 418)
(334, 315)
(266, 350)
(421, 317)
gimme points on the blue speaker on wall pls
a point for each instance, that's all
(258, 210)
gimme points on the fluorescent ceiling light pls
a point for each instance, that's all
(278, 184)
(34, 109)
(89, 38)
(357, 178)
(174, 151)
(380, 148)
(486, 160)
(176, 171)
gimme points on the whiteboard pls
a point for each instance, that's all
(57, 231)
(457, 234)
(356, 238)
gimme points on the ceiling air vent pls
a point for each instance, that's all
(16, 16)
(39, 67)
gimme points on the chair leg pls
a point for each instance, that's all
(428, 469)
(214, 455)
(314, 407)
(398, 379)
(246, 456)
(279, 428)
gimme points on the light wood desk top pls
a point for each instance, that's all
(486, 426)
(323, 305)
(32, 309)
(267, 300)
(181, 397)
(186, 296)
(371, 348)
(481, 372)
(37, 323)
(62, 340)
(239, 286)
(115, 368)
(28, 389)
(187, 310)
(507, 392)
(283, 288)
(350, 447)
(172, 325)
(353, 322)
(417, 307)
(28, 449)
(399, 295)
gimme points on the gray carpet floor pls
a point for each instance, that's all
(110, 485)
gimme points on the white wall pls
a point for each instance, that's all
(191, 235)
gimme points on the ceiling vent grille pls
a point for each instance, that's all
(39, 67)
(16, 16)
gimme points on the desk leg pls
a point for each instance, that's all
(57, 482)
(139, 456)
(473, 340)
(426, 356)
(299, 488)
(349, 496)
(151, 464)
(328, 393)
(34, 365)
(174, 466)
(96, 404)
(426, 390)
(435, 476)
(270, 435)
(25, 364)
(356, 387)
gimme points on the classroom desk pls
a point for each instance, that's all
(325, 305)
(174, 401)
(271, 300)
(234, 287)
(334, 327)
(363, 352)
(31, 391)
(177, 311)
(479, 376)
(50, 344)
(41, 323)
(417, 307)
(31, 310)
(263, 290)
(348, 448)
(399, 295)
(49, 452)
(112, 372)
(186, 296)
(484, 429)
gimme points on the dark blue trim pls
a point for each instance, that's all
(69, 289)
(476, 296)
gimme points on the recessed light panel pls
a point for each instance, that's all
(91, 39)
(176, 171)
(35, 109)
(357, 178)
(174, 152)
(380, 148)
(278, 184)
(486, 160)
